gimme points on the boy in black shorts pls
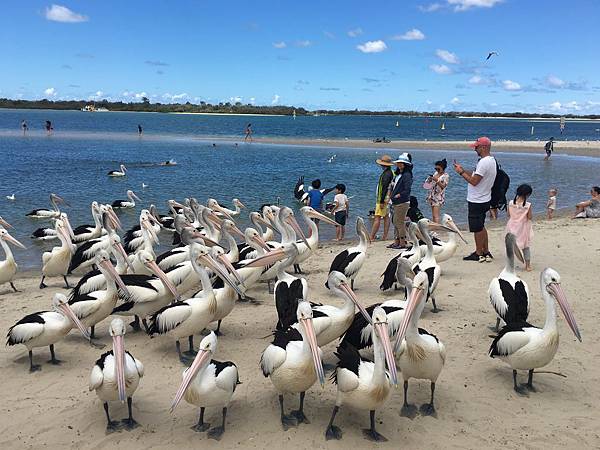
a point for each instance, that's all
(341, 207)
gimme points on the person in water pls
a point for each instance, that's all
(140, 130)
(248, 136)
(24, 127)
(49, 127)
(549, 147)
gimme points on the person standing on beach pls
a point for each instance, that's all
(381, 208)
(437, 184)
(400, 196)
(340, 210)
(549, 147)
(248, 136)
(520, 214)
(140, 130)
(551, 204)
(24, 127)
(479, 195)
(315, 197)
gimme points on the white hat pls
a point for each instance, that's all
(403, 158)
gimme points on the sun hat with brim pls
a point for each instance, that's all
(403, 158)
(385, 160)
(481, 142)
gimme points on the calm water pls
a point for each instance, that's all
(85, 146)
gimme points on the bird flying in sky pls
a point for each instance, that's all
(490, 54)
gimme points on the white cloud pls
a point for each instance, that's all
(96, 96)
(329, 34)
(58, 13)
(554, 81)
(275, 99)
(305, 43)
(411, 35)
(510, 85)
(429, 102)
(236, 99)
(431, 7)
(455, 100)
(50, 92)
(355, 32)
(280, 44)
(252, 100)
(464, 5)
(372, 46)
(440, 69)
(476, 79)
(447, 56)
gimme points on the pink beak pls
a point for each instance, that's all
(382, 331)
(119, 355)
(201, 359)
(413, 301)
(115, 276)
(314, 349)
(163, 277)
(9, 238)
(565, 307)
(68, 312)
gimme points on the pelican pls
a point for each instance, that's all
(444, 250)
(247, 251)
(86, 232)
(45, 328)
(8, 267)
(49, 233)
(351, 260)
(526, 347)
(421, 355)
(148, 240)
(413, 255)
(94, 307)
(186, 318)
(130, 203)
(307, 246)
(293, 363)
(299, 192)
(56, 262)
(208, 383)
(86, 252)
(165, 222)
(229, 213)
(116, 376)
(44, 213)
(11, 197)
(178, 255)
(118, 173)
(364, 384)
(509, 294)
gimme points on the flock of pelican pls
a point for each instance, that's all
(194, 286)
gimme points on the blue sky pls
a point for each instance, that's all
(424, 55)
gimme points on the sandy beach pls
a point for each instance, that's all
(476, 406)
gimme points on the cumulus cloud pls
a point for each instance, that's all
(455, 100)
(303, 43)
(372, 46)
(59, 13)
(510, 85)
(554, 81)
(96, 95)
(411, 35)
(50, 92)
(170, 97)
(279, 44)
(440, 69)
(447, 56)
(252, 100)
(464, 5)
(432, 7)
(275, 99)
(355, 32)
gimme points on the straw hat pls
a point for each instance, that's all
(385, 160)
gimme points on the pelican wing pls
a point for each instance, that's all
(346, 375)
(226, 375)
(273, 357)
(139, 366)
(170, 317)
(86, 304)
(29, 327)
(96, 378)
(511, 338)
(287, 296)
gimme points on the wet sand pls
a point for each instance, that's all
(476, 406)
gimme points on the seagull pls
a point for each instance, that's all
(11, 197)
(144, 185)
(490, 54)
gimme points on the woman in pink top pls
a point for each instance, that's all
(519, 221)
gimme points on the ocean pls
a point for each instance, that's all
(74, 160)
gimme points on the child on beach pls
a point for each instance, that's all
(315, 197)
(340, 210)
(551, 205)
(519, 221)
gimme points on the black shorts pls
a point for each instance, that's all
(477, 212)
(340, 217)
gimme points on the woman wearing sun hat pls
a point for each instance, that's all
(381, 210)
(400, 196)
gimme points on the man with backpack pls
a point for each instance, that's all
(479, 194)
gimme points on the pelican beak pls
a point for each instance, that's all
(314, 349)
(241, 205)
(136, 197)
(119, 355)
(261, 242)
(163, 277)
(268, 259)
(201, 359)
(116, 222)
(557, 291)
(107, 265)
(237, 231)
(208, 241)
(68, 312)
(317, 215)
(69, 227)
(64, 232)
(223, 260)
(518, 253)
(5, 224)
(148, 226)
(265, 223)
(12, 240)
(453, 228)
(123, 253)
(59, 199)
(291, 220)
(382, 331)
(414, 299)
(222, 210)
(352, 296)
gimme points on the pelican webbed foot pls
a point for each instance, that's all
(371, 434)
(333, 432)
(34, 368)
(216, 433)
(428, 409)
(113, 426)
(409, 411)
(130, 424)
(300, 417)
(201, 427)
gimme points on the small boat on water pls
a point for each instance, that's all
(443, 127)
(92, 108)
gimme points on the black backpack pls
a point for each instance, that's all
(499, 189)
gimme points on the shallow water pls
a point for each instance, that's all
(74, 163)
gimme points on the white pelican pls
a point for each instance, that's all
(299, 192)
(421, 355)
(364, 384)
(208, 383)
(525, 347)
(8, 267)
(186, 318)
(165, 222)
(413, 255)
(148, 240)
(218, 209)
(49, 233)
(86, 232)
(509, 294)
(246, 251)
(307, 246)
(180, 254)
(45, 328)
(56, 262)
(293, 363)
(94, 307)
(44, 213)
(444, 250)
(133, 238)
(118, 173)
(351, 260)
(116, 376)
(130, 203)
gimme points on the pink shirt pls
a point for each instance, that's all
(518, 223)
